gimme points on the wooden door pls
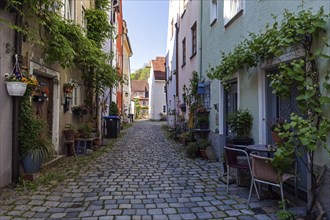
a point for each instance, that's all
(43, 101)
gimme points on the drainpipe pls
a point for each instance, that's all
(177, 69)
(16, 109)
(200, 40)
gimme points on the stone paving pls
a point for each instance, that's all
(145, 176)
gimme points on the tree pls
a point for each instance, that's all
(141, 74)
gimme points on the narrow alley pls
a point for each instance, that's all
(145, 176)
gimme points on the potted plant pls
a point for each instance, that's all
(183, 107)
(202, 144)
(185, 137)
(276, 127)
(16, 85)
(68, 132)
(202, 115)
(85, 130)
(36, 145)
(68, 87)
(113, 109)
(79, 110)
(240, 124)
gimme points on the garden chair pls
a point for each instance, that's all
(263, 172)
(233, 154)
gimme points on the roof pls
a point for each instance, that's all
(139, 85)
(159, 68)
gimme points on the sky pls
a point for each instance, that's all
(147, 29)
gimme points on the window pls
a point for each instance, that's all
(68, 12)
(207, 96)
(164, 108)
(83, 18)
(165, 89)
(184, 52)
(213, 11)
(194, 39)
(76, 96)
(232, 8)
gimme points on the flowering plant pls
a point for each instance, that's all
(70, 85)
(30, 80)
(80, 109)
(201, 109)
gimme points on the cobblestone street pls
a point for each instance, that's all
(145, 176)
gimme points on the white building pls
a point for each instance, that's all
(171, 62)
(127, 53)
(157, 98)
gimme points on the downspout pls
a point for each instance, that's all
(200, 40)
(16, 109)
(177, 69)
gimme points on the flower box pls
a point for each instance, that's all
(16, 88)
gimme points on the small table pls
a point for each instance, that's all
(265, 148)
(82, 144)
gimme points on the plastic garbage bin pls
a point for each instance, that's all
(111, 127)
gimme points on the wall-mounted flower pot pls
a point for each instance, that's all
(16, 88)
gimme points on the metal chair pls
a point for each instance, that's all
(233, 152)
(263, 172)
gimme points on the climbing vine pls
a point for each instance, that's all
(65, 42)
(308, 129)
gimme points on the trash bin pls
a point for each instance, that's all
(111, 127)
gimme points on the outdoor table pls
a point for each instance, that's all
(82, 144)
(263, 148)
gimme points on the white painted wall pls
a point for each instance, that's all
(157, 97)
(171, 61)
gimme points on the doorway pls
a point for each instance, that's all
(43, 101)
(231, 104)
(281, 108)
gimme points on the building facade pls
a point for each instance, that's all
(127, 53)
(157, 99)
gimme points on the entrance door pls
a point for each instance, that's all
(230, 104)
(43, 101)
(281, 108)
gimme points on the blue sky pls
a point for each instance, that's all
(147, 29)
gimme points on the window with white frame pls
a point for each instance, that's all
(231, 9)
(68, 9)
(213, 11)
(76, 96)
(194, 39)
(83, 18)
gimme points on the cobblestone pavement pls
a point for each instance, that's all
(144, 176)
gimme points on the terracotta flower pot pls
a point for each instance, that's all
(276, 138)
